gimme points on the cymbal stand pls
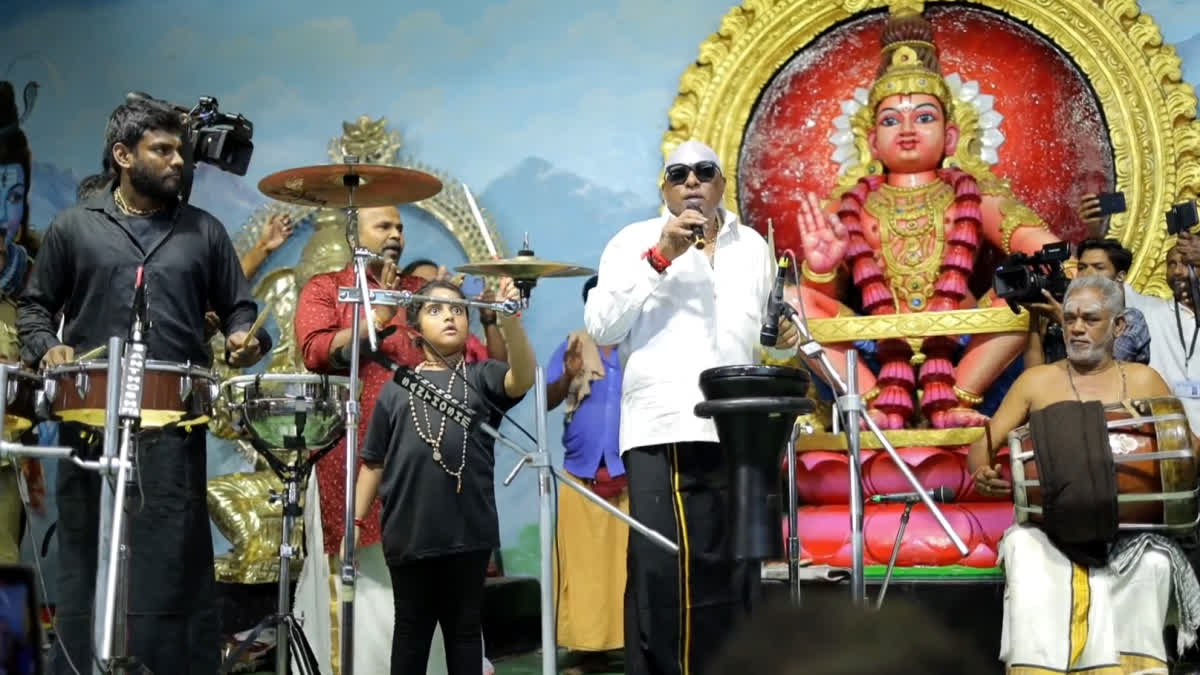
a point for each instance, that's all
(349, 572)
(850, 405)
(539, 460)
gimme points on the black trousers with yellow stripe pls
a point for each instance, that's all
(679, 610)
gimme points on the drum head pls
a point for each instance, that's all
(289, 412)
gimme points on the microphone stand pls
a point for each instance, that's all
(908, 507)
(109, 627)
(540, 460)
(850, 404)
(114, 639)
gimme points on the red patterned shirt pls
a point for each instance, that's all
(319, 316)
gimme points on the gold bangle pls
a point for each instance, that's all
(967, 397)
(871, 395)
(817, 278)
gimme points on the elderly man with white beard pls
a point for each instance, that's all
(1104, 615)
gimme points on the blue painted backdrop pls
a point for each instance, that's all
(552, 111)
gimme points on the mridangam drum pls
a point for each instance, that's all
(1155, 466)
(288, 412)
(171, 393)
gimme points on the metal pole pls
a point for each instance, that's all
(348, 563)
(283, 628)
(112, 507)
(792, 518)
(851, 405)
(545, 527)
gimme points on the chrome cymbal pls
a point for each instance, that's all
(329, 185)
(525, 267)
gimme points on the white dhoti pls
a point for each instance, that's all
(1060, 617)
(318, 602)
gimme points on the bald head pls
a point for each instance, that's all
(381, 231)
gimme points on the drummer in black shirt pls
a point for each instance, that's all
(87, 269)
(437, 481)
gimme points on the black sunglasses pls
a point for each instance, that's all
(677, 174)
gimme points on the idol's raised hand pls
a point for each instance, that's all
(824, 236)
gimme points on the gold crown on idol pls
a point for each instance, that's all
(909, 63)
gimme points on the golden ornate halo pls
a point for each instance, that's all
(1136, 78)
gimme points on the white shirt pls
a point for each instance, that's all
(673, 326)
(1167, 354)
(1137, 300)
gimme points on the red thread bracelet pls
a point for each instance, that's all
(657, 260)
(359, 522)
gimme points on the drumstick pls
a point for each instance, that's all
(258, 322)
(91, 354)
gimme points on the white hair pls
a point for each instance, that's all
(1112, 295)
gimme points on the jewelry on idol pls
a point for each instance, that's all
(427, 434)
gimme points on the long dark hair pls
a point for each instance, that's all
(413, 318)
(14, 149)
(127, 124)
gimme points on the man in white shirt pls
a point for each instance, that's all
(674, 310)
(1173, 330)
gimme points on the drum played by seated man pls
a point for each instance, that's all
(1155, 467)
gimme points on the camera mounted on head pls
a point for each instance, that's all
(1021, 278)
(210, 136)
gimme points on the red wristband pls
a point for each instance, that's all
(359, 522)
(657, 260)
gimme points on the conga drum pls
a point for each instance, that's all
(1155, 466)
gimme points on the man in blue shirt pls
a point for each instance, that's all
(591, 543)
(1106, 258)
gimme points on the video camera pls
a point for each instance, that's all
(217, 138)
(1021, 278)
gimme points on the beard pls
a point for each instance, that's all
(160, 188)
(1092, 354)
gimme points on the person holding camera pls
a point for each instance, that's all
(1098, 257)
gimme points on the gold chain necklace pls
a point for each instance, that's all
(129, 210)
(427, 434)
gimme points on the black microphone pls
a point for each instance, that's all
(696, 205)
(769, 335)
(941, 495)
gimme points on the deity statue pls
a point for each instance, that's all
(906, 238)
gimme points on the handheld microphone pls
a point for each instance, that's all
(697, 231)
(769, 335)
(941, 495)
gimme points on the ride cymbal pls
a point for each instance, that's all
(525, 267)
(329, 185)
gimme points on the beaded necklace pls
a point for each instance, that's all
(426, 434)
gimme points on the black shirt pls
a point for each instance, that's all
(424, 515)
(87, 267)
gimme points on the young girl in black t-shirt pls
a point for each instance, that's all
(436, 481)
